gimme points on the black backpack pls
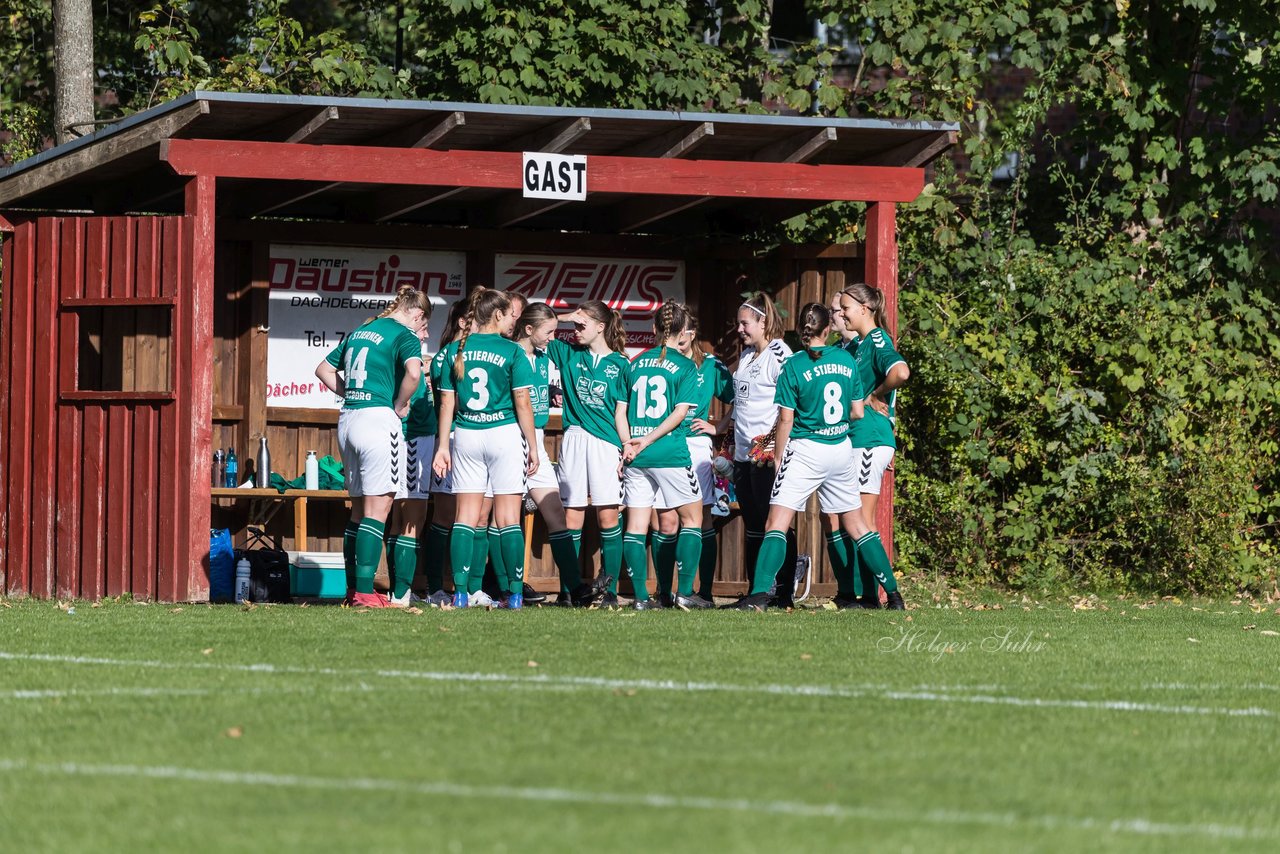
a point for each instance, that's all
(268, 570)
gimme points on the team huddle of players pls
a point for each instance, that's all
(462, 432)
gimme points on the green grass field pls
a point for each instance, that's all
(129, 727)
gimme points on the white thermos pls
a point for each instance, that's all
(313, 471)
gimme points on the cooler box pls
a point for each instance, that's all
(318, 575)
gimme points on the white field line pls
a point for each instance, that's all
(1138, 826)
(66, 693)
(923, 694)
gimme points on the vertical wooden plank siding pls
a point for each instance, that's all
(43, 356)
(18, 305)
(882, 272)
(10, 283)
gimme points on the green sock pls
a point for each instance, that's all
(856, 568)
(707, 563)
(576, 534)
(406, 551)
(663, 548)
(349, 552)
(611, 554)
(368, 552)
(479, 560)
(636, 559)
(436, 553)
(511, 545)
(871, 554)
(497, 558)
(566, 558)
(773, 551)
(688, 552)
(838, 552)
(462, 551)
(865, 578)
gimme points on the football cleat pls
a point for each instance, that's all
(755, 602)
(646, 605)
(533, 597)
(515, 601)
(582, 596)
(693, 603)
(667, 600)
(480, 599)
(895, 602)
(608, 600)
(407, 600)
(460, 599)
(369, 600)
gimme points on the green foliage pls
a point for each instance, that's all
(601, 53)
(275, 55)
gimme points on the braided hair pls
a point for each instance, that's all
(482, 305)
(814, 318)
(671, 319)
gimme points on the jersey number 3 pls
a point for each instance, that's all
(479, 387)
(651, 397)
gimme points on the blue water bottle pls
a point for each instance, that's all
(233, 470)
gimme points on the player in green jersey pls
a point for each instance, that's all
(662, 388)
(839, 546)
(715, 382)
(534, 331)
(485, 395)
(819, 393)
(883, 372)
(591, 371)
(376, 370)
(409, 514)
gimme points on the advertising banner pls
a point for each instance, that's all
(321, 293)
(635, 287)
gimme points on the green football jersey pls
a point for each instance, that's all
(372, 361)
(876, 355)
(540, 394)
(492, 368)
(422, 411)
(657, 386)
(714, 383)
(591, 385)
(820, 392)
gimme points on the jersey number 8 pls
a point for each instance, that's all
(831, 409)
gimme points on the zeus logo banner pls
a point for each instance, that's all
(634, 287)
(555, 176)
(321, 293)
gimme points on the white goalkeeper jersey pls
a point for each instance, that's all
(754, 383)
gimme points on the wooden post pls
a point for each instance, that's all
(195, 397)
(882, 272)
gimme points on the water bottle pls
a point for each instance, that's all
(219, 474)
(313, 471)
(232, 471)
(263, 465)
(242, 580)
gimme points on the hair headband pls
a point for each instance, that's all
(753, 308)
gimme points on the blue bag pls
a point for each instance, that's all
(222, 566)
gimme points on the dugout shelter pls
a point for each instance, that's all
(171, 280)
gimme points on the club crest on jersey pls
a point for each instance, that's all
(611, 371)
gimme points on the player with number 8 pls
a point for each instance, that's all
(819, 394)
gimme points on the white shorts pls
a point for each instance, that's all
(372, 444)
(808, 467)
(872, 464)
(492, 458)
(444, 485)
(589, 470)
(417, 474)
(545, 476)
(660, 488)
(700, 451)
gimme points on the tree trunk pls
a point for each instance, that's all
(72, 69)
